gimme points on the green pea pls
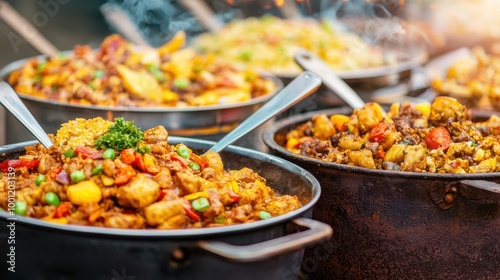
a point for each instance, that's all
(193, 165)
(263, 215)
(183, 151)
(52, 199)
(181, 83)
(109, 154)
(200, 204)
(77, 176)
(20, 208)
(69, 154)
(98, 74)
(41, 65)
(97, 170)
(39, 179)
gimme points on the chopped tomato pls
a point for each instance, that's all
(124, 174)
(139, 161)
(180, 159)
(189, 211)
(62, 210)
(87, 152)
(53, 173)
(127, 156)
(196, 158)
(438, 138)
(17, 163)
(234, 196)
(380, 153)
(379, 131)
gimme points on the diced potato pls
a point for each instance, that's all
(395, 153)
(323, 127)
(363, 158)
(339, 120)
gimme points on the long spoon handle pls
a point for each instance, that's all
(298, 89)
(26, 30)
(13, 104)
(309, 61)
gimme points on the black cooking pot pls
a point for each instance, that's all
(267, 249)
(399, 225)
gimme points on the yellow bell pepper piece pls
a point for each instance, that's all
(292, 143)
(235, 187)
(140, 83)
(174, 44)
(84, 192)
(107, 181)
(196, 195)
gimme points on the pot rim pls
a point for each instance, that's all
(182, 233)
(288, 122)
(7, 70)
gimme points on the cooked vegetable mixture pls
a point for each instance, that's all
(473, 80)
(141, 182)
(121, 74)
(436, 138)
(270, 43)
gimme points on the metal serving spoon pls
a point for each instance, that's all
(12, 103)
(309, 61)
(298, 89)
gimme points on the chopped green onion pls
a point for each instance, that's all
(37, 78)
(181, 83)
(69, 154)
(41, 65)
(220, 219)
(183, 151)
(194, 166)
(97, 170)
(20, 208)
(52, 199)
(153, 69)
(200, 204)
(77, 176)
(108, 154)
(39, 179)
(246, 55)
(263, 215)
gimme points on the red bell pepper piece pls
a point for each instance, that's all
(190, 212)
(18, 163)
(53, 173)
(87, 152)
(62, 210)
(234, 196)
(196, 158)
(162, 195)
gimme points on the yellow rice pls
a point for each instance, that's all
(81, 132)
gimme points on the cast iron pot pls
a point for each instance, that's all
(268, 249)
(204, 122)
(399, 225)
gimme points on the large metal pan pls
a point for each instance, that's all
(399, 225)
(208, 122)
(268, 249)
(394, 80)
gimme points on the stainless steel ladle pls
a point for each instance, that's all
(13, 104)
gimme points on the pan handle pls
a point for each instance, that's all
(316, 233)
(445, 194)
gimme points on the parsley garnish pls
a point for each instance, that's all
(121, 135)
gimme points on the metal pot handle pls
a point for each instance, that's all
(317, 232)
(445, 194)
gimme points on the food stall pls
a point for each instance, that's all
(382, 165)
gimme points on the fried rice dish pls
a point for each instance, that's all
(111, 174)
